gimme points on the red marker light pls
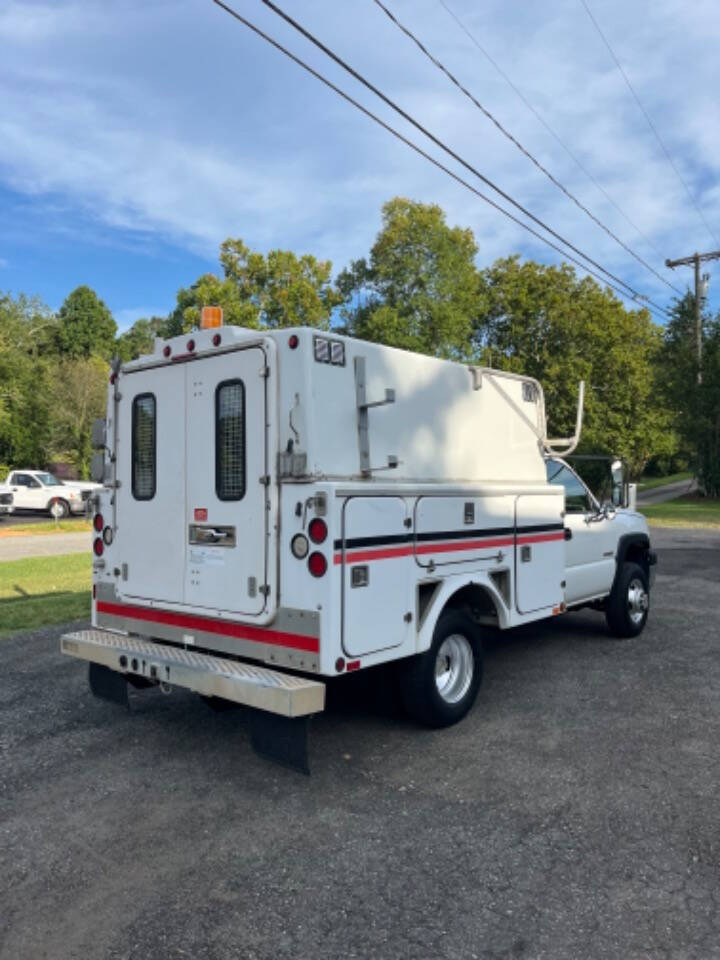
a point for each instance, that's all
(98, 522)
(293, 341)
(217, 340)
(113, 378)
(317, 530)
(167, 350)
(317, 564)
(98, 547)
(190, 346)
(339, 664)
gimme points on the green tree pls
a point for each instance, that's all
(420, 288)
(85, 325)
(279, 289)
(696, 406)
(27, 335)
(78, 394)
(545, 322)
(140, 338)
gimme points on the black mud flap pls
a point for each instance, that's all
(108, 684)
(282, 739)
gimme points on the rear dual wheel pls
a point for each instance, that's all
(440, 686)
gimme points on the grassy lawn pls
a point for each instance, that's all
(39, 591)
(71, 525)
(649, 483)
(685, 512)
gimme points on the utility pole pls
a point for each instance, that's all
(695, 260)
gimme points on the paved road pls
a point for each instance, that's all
(19, 517)
(670, 491)
(572, 816)
(44, 545)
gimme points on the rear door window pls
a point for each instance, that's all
(144, 446)
(230, 440)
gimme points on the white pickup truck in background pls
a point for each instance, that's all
(6, 500)
(42, 491)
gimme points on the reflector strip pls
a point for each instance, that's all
(421, 549)
(242, 631)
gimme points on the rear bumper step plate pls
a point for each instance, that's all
(258, 687)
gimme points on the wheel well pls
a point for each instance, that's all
(477, 602)
(637, 554)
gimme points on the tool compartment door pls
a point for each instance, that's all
(539, 553)
(376, 566)
(463, 530)
(227, 510)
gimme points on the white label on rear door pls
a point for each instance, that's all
(210, 558)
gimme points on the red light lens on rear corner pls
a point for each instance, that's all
(317, 564)
(217, 340)
(167, 350)
(190, 345)
(317, 530)
(98, 547)
(98, 522)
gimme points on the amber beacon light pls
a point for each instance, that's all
(211, 317)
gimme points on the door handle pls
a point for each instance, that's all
(568, 533)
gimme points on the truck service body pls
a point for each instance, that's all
(282, 507)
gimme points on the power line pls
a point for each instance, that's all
(408, 33)
(633, 294)
(649, 121)
(538, 116)
(443, 146)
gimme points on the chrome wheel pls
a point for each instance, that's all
(638, 601)
(454, 668)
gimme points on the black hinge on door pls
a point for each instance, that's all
(265, 480)
(264, 589)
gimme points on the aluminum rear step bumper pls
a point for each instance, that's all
(258, 687)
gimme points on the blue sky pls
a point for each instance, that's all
(136, 136)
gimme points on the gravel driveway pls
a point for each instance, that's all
(573, 815)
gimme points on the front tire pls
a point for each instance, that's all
(628, 605)
(58, 509)
(440, 686)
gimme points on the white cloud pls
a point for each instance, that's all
(170, 119)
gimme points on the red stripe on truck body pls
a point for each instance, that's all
(227, 628)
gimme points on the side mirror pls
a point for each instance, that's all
(99, 434)
(620, 496)
(97, 467)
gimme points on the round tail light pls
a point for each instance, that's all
(293, 341)
(190, 346)
(317, 530)
(299, 546)
(317, 564)
(98, 547)
(167, 350)
(98, 522)
(217, 340)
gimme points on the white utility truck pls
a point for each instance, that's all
(280, 507)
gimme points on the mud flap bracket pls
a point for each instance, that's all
(108, 684)
(281, 739)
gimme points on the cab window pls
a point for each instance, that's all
(576, 495)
